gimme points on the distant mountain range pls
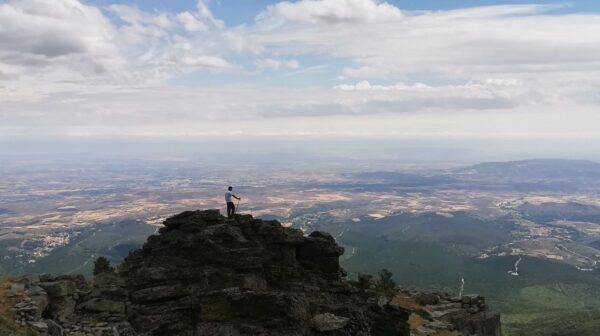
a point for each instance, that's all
(544, 175)
(536, 169)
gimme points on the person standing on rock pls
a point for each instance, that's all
(228, 199)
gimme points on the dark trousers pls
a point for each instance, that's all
(230, 209)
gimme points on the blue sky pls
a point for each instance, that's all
(236, 12)
(362, 68)
(244, 12)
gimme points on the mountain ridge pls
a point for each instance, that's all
(204, 274)
(535, 167)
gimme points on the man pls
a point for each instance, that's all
(230, 206)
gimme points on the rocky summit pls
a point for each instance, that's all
(204, 274)
(208, 275)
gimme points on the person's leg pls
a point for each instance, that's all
(232, 209)
(229, 209)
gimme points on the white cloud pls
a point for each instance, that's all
(310, 112)
(46, 44)
(206, 14)
(191, 23)
(65, 65)
(277, 64)
(493, 86)
(165, 107)
(471, 43)
(330, 11)
(37, 34)
(204, 62)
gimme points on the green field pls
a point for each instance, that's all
(112, 240)
(547, 298)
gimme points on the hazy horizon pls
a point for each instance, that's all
(286, 151)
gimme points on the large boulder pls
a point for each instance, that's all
(61, 292)
(329, 322)
(58, 289)
(205, 274)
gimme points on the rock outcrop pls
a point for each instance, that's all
(207, 275)
(62, 305)
(441, 314)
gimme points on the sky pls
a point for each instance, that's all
(428, 70)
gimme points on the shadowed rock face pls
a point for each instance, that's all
(205, 274)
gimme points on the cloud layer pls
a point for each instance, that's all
(66, 65)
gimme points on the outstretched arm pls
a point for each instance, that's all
(239, 198)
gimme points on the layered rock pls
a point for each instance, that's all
(68, 305)
(441, 314)
(208, 275)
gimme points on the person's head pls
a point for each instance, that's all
(230, 188)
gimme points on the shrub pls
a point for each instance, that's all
(386, 284)
(102, 265)
(365, 281)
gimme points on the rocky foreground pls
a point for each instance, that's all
(204, 274)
